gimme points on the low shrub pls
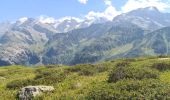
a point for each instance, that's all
(147, 89)
(130, 60)
(53, 66)
(124, 63)
(17, 84)
(44, 76)
(88, 69)
(124, 71)
(161, 66)
(50, 76)
(162, 56)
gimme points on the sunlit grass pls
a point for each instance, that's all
(77, 81)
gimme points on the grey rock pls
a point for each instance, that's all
(29, 92)
(2, 78)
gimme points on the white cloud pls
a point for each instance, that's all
(83, 1)
(135, 4)
(70, 18)
(109, 13)
(93, 15)
(47, 20)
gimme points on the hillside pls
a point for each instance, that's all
(137, 78)
(31, 41)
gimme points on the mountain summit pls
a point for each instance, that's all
(149, 9)
(149, 18)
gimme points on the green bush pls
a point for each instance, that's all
(148, 89)
(88, 69)
(124, 63)
(125, 71)
(103, 67)
(17, 84)
(53, 66)
(44, 76)
(129, 60)
(161, 66)
(50, 76)
(162, 56)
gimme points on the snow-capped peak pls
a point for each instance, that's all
(151, 8)
(47, 20)
(23, 19)
(51, 20)
(63, 24)
(70, 18)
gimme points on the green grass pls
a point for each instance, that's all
(142, 78)
(119, 50)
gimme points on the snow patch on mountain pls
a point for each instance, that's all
(47, 20)
(23, 19)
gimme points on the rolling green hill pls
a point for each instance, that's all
(137, 78)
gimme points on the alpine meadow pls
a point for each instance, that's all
(87, 50)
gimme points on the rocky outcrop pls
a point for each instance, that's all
(17, 55)
(29, 92)
(2, 78)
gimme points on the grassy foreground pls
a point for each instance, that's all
(137, 78)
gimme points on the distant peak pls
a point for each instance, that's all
(23, 19)
(152, 8)
(148, 9)
(47, 20)
(70, 18)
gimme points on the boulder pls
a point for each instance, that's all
(28, 92)
(2, 78)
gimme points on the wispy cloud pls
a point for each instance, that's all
(83, 1)
(134, 4)
(109, 13)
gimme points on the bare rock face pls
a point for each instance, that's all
(27, 93)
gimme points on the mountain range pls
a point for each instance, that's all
(70, 41)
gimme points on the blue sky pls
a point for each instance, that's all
(13, 9)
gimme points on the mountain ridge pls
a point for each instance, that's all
(125, 36)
